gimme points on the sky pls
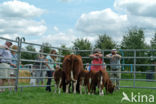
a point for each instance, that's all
(60, 22)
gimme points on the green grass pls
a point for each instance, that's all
(138, 83)
(40, 96)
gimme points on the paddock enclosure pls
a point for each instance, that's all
(138, 66)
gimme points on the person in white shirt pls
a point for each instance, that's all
(50, 66)
(5, 61)
(115, 66)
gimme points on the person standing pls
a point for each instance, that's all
(13, 64)
(5, 61)
(40, 65)
(115, 66)
(97, 59)
(88, 67)
(50, 66)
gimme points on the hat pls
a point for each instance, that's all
(14, 47)
(97, 50)
(114, 50)
(9, 42)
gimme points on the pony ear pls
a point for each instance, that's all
(79, 56)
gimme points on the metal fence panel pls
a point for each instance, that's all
(134, 65)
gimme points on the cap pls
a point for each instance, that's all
(9, 42)
(114, 50)
(97, 50)
(14, 47)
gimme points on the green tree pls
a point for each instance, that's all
(83, 44)
(29, 55)
(135, 39)
(153, 46)
(65, 51)
(46, 47)
(105, 42)
(153, 42)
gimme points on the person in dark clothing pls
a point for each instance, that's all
(50, 66)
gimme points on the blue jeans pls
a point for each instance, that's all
(49, 74)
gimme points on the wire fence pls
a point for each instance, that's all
(138, 66)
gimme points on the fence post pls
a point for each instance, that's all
(60, 53)
(134, 71)
(41, 63)
(75, 50)
(19, 40)
(123, 60)
(103, 59)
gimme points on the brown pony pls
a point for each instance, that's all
(72, 66)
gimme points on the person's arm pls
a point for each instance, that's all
(46, 63)
(117, 56)
(100, 55)
(93, 56)
(108, 56)
(4, 47)
(13, 65)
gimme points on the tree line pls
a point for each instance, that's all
(133, 39)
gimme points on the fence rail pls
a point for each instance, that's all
(31, 68)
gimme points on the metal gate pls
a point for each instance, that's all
(138, 66)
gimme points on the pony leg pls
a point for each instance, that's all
(60, 86)
(67, 88)
(80, 89)
(55, 88)
(75, 86)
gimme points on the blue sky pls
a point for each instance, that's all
(62, 21)
(65, 14)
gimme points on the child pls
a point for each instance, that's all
(96, 59)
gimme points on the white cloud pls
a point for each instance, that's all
(19, 9)
(142, 22)
(127, 14)
(22, 26)
(137, 7)
(13, 36)
(60, 38)
(66, 0)
(78, 1)
(55, 28)
(65, 38)
(100, 22)
(140, 13)
(17, 17)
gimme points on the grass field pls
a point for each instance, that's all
(40, 96)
